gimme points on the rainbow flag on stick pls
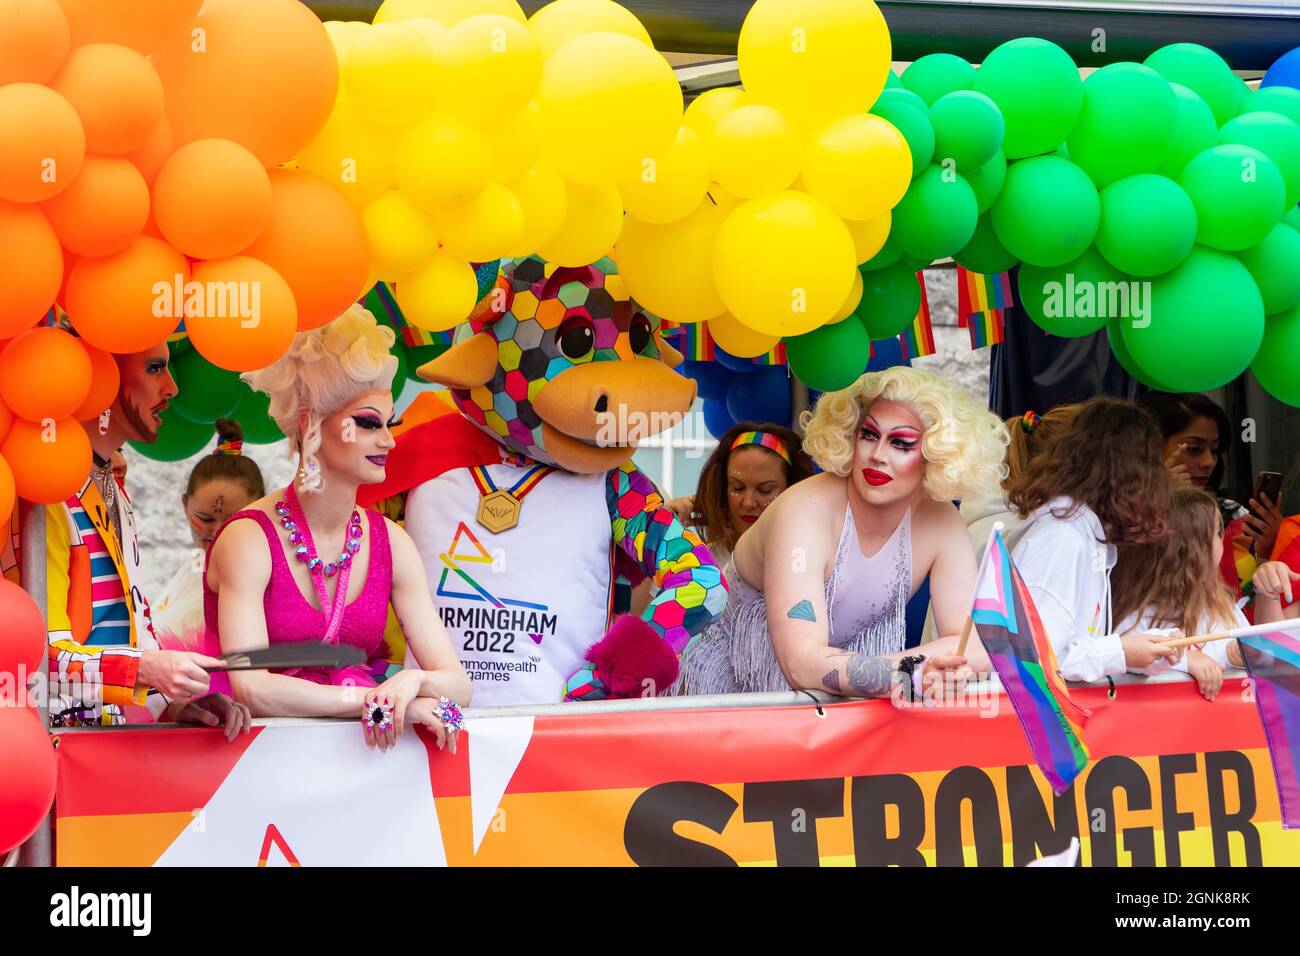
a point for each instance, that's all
(982, 302)
(1008, 624)
(918, 338)
(1273, 662)
(382, 303)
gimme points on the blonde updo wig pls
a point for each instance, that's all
(322, 371)
(964, 445)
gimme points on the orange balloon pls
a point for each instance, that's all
(143, 25)
(127, 302)
(245, 318)
(31, 267)
(116, 93)
(69, 263)
(157, 149)
(42, 143)
(44, 373)
(316, 242)
(103, 210)
(49, 463)
(265, 76)
(6, 420)
(105, 379)
(8, 494)
(34, 40)
(211, 198)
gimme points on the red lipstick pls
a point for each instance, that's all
(876, 477)
(749, 519)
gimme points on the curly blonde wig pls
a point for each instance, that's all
(322, 371)
(964, 445)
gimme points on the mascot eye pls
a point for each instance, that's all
(576, 338)
(639, 335)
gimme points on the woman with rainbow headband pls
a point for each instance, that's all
(820, 584)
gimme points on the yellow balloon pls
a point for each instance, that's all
(859, 165)
(390, 72)
(440, 161)
(814, 61)
(754, 151)
(592, 219)
(516, 142)
(447, 12)
(671, 186)
(483, 228)
(492, 68)
(441, 295)
(564, 19)
(544, 198)
(669, 268)
(402, 239)
(738, 339)
(869, 235)
(709, 107)
(783, 264)
(851, 303)
(610, 102)
(352, 153)
(342, 33)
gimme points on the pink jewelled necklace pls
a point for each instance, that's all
(294, 521)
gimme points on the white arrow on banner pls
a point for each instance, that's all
(496, 746)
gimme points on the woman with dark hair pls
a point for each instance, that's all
(1099, 483)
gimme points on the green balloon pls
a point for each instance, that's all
(892, 82)
(1239, 195)
(1148, 224)
(913, 264)
(1292, 217)
(178, 438)
(1037, 87)
(1274, 135)
(890, 300)
(1120, 351)
(968, 129)
(1201, 70)
(987, 182)
(902, 94)
(1194, 131)
(938, 74)
(1275, 265)
(984, 253)
(403, 370)
(1204, 323)
(1274, 365)
(1272, 99)
(204, 392)
(1048, 211)
(886, 257)
(915, 127)
(254, 416)
(1126, 125)
(830, 357)
(937, 215)
(1075, 299)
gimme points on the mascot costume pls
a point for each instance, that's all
(533, 523)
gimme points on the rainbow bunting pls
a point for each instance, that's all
(1273, 662)
(982, 302)
(918, 338)
(696, 344)
(1008, 624)
(382, 302)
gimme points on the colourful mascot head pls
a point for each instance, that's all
(559, 364)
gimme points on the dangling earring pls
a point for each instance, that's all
(103, 421)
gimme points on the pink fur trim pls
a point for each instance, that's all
(630, 654)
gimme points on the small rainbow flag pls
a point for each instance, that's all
(1017, 643)
(382, 302)
(918, 338)
(1273, 662)
(982, 302)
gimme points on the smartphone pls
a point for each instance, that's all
(1268, 483)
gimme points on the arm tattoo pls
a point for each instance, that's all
(832, 681)
(870, 676)
(803, 611)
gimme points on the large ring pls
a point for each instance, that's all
(450, 714)
(378, 717)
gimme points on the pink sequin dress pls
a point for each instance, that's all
(290, 618)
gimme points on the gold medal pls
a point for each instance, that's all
(498, 511)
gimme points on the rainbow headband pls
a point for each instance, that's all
(766, 439)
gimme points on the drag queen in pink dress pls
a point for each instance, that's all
(304, 563)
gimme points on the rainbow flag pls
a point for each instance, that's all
(918, 338)
(1273, 662)
(382, 302)
(1008, 624)
(982, 302)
